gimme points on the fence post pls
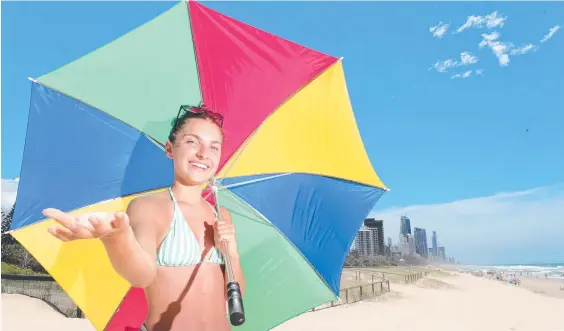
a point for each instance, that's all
(78, 312)
(347, 295)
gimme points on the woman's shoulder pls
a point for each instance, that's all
(150, 205)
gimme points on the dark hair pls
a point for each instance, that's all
(187, 112)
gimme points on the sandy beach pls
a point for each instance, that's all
(461, 302)
(439, 302)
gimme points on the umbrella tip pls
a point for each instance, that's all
(32, 79)
(341, 58)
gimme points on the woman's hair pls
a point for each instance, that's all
(186, 113)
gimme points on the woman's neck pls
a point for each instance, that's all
(190, 194)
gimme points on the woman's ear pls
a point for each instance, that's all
(168, 149)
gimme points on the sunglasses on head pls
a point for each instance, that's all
(218, 118)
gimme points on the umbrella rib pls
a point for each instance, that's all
(252, 181)
(253, 134)
(153, 140)
(241, 201)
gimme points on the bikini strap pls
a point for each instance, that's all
(212, 208)
(172, 195)
(176, 203)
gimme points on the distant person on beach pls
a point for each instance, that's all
(169, 243)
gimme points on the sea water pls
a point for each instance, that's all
(544, 270)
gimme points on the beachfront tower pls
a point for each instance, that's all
(405, 226)
(370, 240)
(421, 241)
(442, 253)
(434, 242)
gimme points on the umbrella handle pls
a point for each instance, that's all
(234, 297)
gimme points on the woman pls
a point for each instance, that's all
(169, 243)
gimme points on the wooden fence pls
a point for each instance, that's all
(405, 278)
(376, 286)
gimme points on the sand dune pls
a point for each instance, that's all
(438, 303)
(23, 313)
(456, 303)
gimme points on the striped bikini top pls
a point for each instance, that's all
(180, 247)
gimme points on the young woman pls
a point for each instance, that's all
(169, 243)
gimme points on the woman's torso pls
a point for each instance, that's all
(186, 297)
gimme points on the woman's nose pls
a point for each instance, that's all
(202, 151)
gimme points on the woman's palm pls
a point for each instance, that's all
(86, 226)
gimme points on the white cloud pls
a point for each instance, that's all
(523, 49)
(466, 58)
(443, 66)
(490, 21)
(439, 30)
(516, 227)
(9, 190)
(550, 33)
(499, 48)
(463, 75)
(479, 72)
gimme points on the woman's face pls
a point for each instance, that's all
(196, 151)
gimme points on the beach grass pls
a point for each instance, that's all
(12, 269)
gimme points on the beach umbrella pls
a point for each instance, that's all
(295, 174)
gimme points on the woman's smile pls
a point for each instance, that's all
(199, 166)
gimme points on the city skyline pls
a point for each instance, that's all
(371, 241)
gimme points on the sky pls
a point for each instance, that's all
(459, 105)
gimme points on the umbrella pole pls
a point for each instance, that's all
(234, 297)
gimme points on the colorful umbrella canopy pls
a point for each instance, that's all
(298, 181)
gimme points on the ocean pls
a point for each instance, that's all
(544, 270)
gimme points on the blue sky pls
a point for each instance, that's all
(435, 140)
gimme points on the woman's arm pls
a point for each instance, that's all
(133, 251)
(129, 238)
(233, 252)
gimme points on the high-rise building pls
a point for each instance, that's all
(390, 251)
(434, 244)
(370, 240)
(411, 244)
(421, 241)
(365, 242)
(405, 226)
(378, 227)
(442, 253)
(403, 245)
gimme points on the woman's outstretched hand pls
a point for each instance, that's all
(86, 226)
